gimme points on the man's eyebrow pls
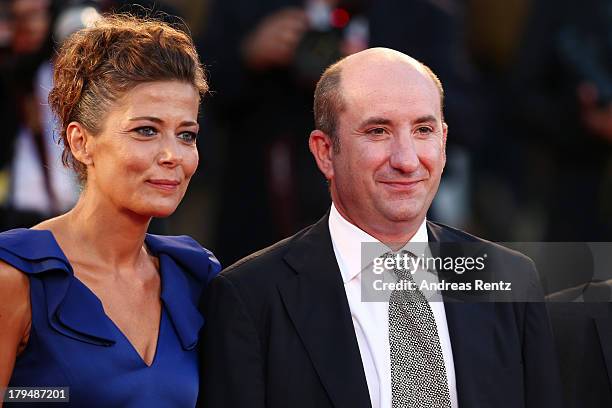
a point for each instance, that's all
(375, 120)
(158, 120)
(426, 118)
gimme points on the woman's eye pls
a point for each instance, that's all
(146, 131)
(189, 137)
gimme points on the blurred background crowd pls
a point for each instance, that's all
(528, 102)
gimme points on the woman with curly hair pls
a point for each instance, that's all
(89, 300)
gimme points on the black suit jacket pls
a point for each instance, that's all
(583, 334)
(279, 334)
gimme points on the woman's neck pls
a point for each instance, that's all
(106, 233)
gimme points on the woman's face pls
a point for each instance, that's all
(145, 154)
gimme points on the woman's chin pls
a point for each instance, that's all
(162, 214)
(156, 212)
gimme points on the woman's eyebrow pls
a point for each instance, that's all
(158, 120)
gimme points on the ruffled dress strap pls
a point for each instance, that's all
(186, 269)
(70, 307)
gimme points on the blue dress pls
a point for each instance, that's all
(74, 343)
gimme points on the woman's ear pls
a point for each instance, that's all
(80, 143)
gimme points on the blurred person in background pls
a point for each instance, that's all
(89, 300)
(33, 183)
(561, 85)
(5, 103)
(581, 318)
(543, 66)
(265, 57)
(563, 80)
(500, 161)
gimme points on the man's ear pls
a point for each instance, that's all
(321, 147)
(444, 134)
(80, 142)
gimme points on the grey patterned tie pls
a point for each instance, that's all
(418, 374)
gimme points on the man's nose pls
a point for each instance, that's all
(404, 155)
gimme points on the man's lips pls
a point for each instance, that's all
(164, 184)
(400, 184)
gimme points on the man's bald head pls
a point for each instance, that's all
(328, 100)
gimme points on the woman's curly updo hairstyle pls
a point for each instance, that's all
(96, 66)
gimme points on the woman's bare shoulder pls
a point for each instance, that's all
(14, 287)
(15, 307)
(15, 317)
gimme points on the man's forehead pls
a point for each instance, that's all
(382, 74)
(381, 89)
(377, 54)
(374, 61)
(379, 75)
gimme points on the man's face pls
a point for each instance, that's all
(392, 146)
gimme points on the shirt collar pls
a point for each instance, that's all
(347, 239)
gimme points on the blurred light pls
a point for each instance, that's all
(318, 13)
(74, 19)
(340, 18)
(89, 15)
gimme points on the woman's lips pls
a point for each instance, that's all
(166, 185)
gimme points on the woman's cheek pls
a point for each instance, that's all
(193, 163)
(140, 159)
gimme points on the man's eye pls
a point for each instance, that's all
(146, 131)
(425, 129)
(377, 131)
(189, 137)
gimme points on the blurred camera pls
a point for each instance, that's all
(331, 30)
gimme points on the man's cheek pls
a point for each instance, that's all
(371, 158)
(432, 155)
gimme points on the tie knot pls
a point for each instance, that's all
(404, 264)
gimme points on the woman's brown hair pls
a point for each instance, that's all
(97, 65)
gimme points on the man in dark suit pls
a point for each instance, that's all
(287, 326)
(581, 318)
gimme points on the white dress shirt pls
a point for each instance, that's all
(371, 319)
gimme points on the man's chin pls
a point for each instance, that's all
(403, 214)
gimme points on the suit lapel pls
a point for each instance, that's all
(603, 322)
(470, 326)
(316, 303)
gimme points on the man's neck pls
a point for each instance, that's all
(395, 235)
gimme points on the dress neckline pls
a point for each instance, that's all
(185, 269)
(112, 323)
